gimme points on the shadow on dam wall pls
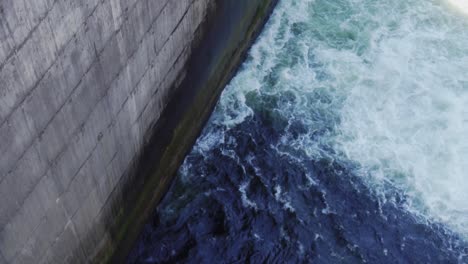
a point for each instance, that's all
(219, 47)
(100, 101)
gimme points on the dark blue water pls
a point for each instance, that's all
(342, 139)
(297, 212)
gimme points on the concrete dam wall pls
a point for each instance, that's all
(100, 100)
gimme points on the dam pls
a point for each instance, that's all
(99, 102)
(233, 131)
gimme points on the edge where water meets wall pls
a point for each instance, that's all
(99, 103)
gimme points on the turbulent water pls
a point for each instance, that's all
(342, 139)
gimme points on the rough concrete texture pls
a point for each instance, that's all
(83, 84)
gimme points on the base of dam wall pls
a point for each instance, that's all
(100, 100)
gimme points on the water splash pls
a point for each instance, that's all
(381, 84)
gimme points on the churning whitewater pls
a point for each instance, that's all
(343, 138)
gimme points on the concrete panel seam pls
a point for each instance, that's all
(109, 87)
(162, 81)
(72, 229)
(67, 98)
(148, 127)
(119, 111)
(10, 34)
(138, 119)
(39, 179)
(134, 123)
(36, 84)
(100, 100)
(77, 130)
(21, 45)
(33, 232)
(59, 54)
(182, 18)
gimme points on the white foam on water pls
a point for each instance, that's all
(246, 202)
(461, 5)
(385, 85)
(284, 199)
(405, 116)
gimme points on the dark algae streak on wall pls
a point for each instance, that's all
(225, 36)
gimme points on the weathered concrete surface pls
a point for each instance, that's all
(99, 102)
